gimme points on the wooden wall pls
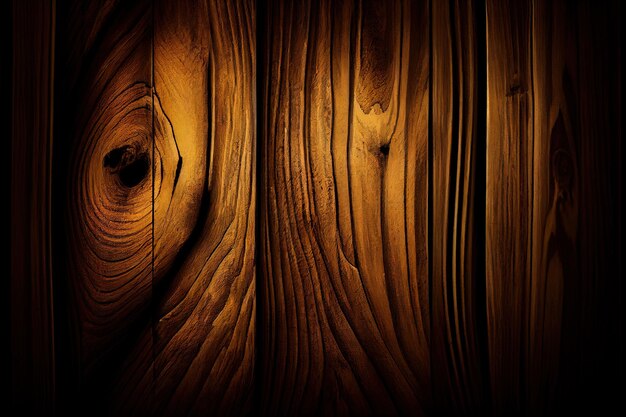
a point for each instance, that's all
(316, 207)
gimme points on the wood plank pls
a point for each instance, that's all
(103, 192)
(344, 321)
(574, 347)
(161, 211)
(161, 214)
(552, 183)
(204, 206)
(458, 146)
(30, 70)
(509, 198)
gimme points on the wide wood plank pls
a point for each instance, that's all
(159, 110)
(575, 317)
(344, 320)
(552, 186)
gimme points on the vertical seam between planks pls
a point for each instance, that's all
(430, 191)
(51, 331)
(259, 160)
(480, 212)
(152, 91)
(530, 191)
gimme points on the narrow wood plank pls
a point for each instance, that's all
(555, 173)
(344, 321)
(204, 206)
(31, 73)
(509, 198)
(458, 139)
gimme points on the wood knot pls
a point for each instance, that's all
(515, 86)
(129, 163)
(384, 149)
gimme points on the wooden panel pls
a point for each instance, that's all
(344, 321)
(204, 74)
(103, 192)
(458, 146)
(30, 296)
(509, 197)
(552, 178)
(158, 107)
(575, 317)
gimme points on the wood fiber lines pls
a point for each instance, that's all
(343, 292)
(30, 64)
(552, 244)
(204, 323)
(160, 213)
(436, 228)
(457, 195)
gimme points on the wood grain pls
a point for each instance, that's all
(103, 195)
(109, 192)
(160, 208)
(458, 144)
(344, 321)
(32, 367)
(550, 257)
(205, 315)
(436, 223)
(509, 198)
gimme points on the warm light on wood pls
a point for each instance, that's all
(311, 208)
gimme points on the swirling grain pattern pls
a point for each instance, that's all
(435, 221)
(204, 320)
(160, 208)
(109, 212)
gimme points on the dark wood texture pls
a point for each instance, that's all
(158, 113)
(436, 228)
(457, 195)
(31, 306)
(553, 234)
(344, 321)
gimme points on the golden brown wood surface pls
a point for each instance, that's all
(436, 228)
(344, 321)
(160, 215)
(204, 74)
